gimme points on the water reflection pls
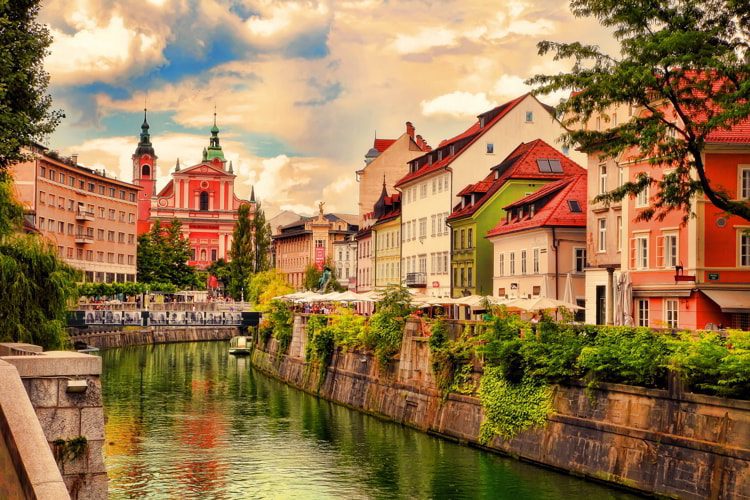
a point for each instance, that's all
(189, 421)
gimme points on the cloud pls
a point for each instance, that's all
(425, 39)
(458, 104)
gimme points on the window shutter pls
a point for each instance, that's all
(660, 251)
(633, 252)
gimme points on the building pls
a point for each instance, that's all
(275, 223)
(365, 255)
(310, 241)
(89, 216)
(527, 169)
(345, 261)
(430, 187)
(540, 246)
(387, 159)
(386, 237)
(201, 197)
(691, 275)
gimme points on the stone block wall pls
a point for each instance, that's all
(65, 415)
(127, 336)
(676, 445)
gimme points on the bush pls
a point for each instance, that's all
(348, 328)
(282, 320)
(451, 359)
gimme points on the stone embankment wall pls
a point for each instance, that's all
(127, 336)
(57, 414)
(676, 445)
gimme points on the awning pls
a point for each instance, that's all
(730, 301)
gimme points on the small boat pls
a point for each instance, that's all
(239, 345)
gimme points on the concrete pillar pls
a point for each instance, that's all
(610, 296)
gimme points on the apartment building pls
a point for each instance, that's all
(429, 190)
(386, 234)
(345, 261)
(89, 216)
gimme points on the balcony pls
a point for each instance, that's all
(84, 238)
(83, 215)
(416, 280)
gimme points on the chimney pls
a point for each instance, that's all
(410, 129)
(422, 144)
(74, 158)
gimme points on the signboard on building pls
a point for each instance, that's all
(320, 257)
(435, 284)
(713, 276)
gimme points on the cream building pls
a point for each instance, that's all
(429, 189)
(345, 261)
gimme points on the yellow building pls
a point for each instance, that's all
(387, 237)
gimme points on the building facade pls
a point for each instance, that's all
(201, 197)
(310, 241)
(345, 262)
(430, 188)
(386, 236)
(89, 216)
(539, 248)
(527, 169)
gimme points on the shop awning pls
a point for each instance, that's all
(730, 301)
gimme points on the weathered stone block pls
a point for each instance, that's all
(96, 457)
(42, 392)
(60, 423)
(91, 397)
(92, 423)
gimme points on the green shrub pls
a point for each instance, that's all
(282, 320)
(451, 359)
(552, 354)
(348, 328)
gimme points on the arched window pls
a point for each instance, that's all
(145, 171)
(203, 255)
(204, 201)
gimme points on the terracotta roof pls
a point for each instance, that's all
(737, 134)
(555, 212)
(521, 163)
(383, 144)
(463, 140)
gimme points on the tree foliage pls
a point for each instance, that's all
(25, 115)
(37, 285)
(684, 66)
(163, 255)
(242, 264)
(220, 269)
(264, 286)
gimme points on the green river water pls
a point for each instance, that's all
(190, 421)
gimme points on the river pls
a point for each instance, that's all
(191, 421)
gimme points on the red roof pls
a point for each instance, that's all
(555, 212)
(383, 144)
(521, 163)
(462, 141)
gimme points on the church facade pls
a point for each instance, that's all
(200, 196)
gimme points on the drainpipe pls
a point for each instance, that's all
(610, 296)
(557, 275)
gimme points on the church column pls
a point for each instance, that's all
(185, 194)
(221, 196)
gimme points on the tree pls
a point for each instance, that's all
(312, 277)
(25, 115)
(262, 240)
(262, 287)
(37, 285)
(681, 57)
(220, 269)
(163, 255)
(242, 252)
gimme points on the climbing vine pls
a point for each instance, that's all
(320, 345)
(510, 408)
(452, 359)
(282, 320)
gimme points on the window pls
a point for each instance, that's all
(523, 261)
(620, 176)
(62, 178)
(744, 183)
(89, 255)
(131, 260)
(490, 148)
(529, 116)
(573, 205)
(512, 263)
(112, 192)
(501, 265)
(423, 227)
(469, 276)
(111, 214)
(213, 254)
(42, 172)
(423, 190)
(670, 250)
(120, 237)
(501, 292)
(670, 312)
(111, 236)
(102, 189)
(641, 252)
(100, 256)
(642, 199)
(536, 290)
(203, 203)
(122, 216)
(120, 258)
(42, 197)
(99, 234)
(434, 224)
(580, 256)
(602, 241)
(619, 233)
(536, 261)
(61, 227)
(463, 239)
(470, 238)
(602, 179)
(745, 249)
(642, 312)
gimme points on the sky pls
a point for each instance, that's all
(300, 88)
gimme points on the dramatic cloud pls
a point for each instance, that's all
(458, 104)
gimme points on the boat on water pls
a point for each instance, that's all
(239, 345)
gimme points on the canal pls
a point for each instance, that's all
(190, 421)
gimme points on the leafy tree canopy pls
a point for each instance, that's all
(262, 287)
(25, 115)
(163, 255)
(685, 68)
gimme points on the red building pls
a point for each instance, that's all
(694, 275)
(201, 197)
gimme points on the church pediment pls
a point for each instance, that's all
(204, 168)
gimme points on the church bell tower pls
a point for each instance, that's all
(144, 175)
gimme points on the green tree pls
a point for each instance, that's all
(220, 269)
(312, 277)
(25, 115)
(689, 57)
(262, 287)
(37, 286)
(242, 252)
(262, 240)
(163, 255)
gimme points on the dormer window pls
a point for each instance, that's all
(440, 154)
(481, 122)
(520, 213)
(497, 174)
(508, 217)
(532, 210)
(429, 159)
(453, 150)
(490, 148)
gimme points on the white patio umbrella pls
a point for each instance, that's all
(541, 304)
(568, 294)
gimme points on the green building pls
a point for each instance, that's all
(526, 169)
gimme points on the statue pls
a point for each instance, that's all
(320, 207)
(324, 278)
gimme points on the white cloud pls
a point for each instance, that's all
(457, 104)
(278, 23)
(510, 86)
(424, 40)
